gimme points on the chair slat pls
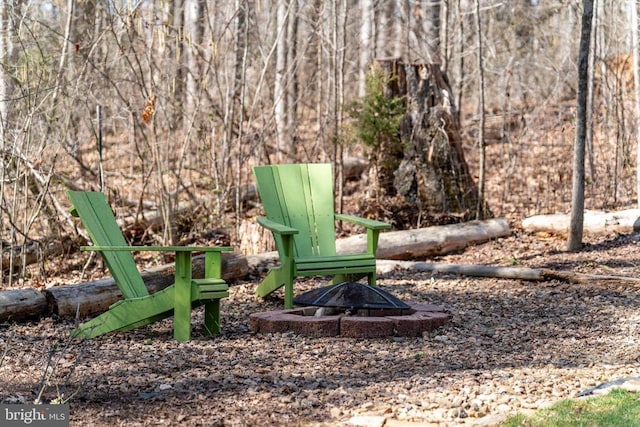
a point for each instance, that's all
(299, 207)
(99, 221)
(139, 308)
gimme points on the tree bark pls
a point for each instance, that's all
(9, 56)
(279, 85)
(430, 241)
(482, 155)
(431, 179)
(633, 24)
(574, 242)
(626, 221)
(366, 42)
(22, 304)
(293, 61)
(193, 33)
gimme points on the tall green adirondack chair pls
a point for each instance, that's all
(139, 308)
(299, 206)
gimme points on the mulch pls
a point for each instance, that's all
(510, 346)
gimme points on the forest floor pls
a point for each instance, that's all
(510, 345)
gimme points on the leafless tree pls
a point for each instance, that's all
(194, 93)
(574, 241)
(366, 43)
(279, 88)
(635, 45)
(481, 113)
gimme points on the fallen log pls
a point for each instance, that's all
(411, 244)
(22, 304)
(85, 299)
(595, 222)
(429, 241)
(516, 273)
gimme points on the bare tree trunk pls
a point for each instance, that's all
(590, 155)
(574, 242)
(8, 56)
(279, 99)
(238, 99)
(445, 36)
(65, 47)
(461, 46)
(633, 22)
(6, 46)
(384, 28)
(179, 86)
(481, 111)
(193, 35)
(400, 22)
(292, 76)
(339, 35)
(366, 41)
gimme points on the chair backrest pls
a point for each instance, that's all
(98, 219)
(300, 196)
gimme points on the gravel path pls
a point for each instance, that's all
(510, 346)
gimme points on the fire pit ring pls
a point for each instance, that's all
(343, 312)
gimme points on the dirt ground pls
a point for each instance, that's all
(510, 346)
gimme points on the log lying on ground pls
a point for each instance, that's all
(429, 241)
(517, 273)
(595, 222)
(411, 244)
(22, 304)
(85, 299)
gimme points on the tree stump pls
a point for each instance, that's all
(431, 183)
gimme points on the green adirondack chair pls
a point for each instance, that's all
(139, 308)
(299, 207)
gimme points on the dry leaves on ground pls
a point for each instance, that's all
(510, 346)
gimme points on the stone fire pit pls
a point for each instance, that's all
(310, 321)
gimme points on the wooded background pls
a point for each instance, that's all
(166, 105)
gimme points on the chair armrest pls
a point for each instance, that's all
(158, 248)
(275, 227)
(368, 223)
(212, 263)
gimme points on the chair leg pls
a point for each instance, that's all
(182, 301)
(288, 293)
(103, 324)
(273, 281)
(340, 278)
(129, 314)
(212, 317)
(371, 278)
